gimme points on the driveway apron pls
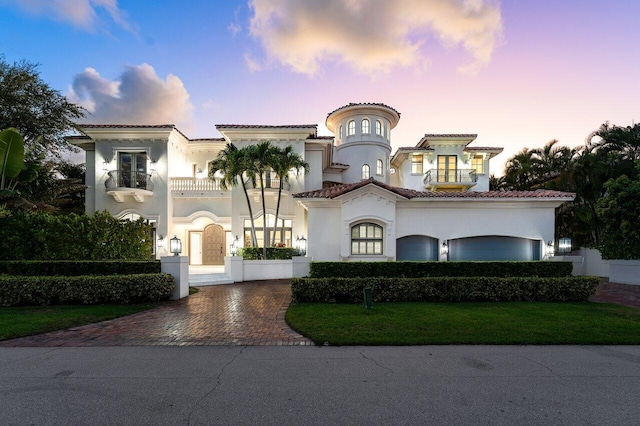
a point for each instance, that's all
(249, 313)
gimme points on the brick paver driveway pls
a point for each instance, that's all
(250, 313)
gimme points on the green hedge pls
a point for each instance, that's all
(444, 289)
(440, 269)
(88, 290)
(273, 253)
(78, 267)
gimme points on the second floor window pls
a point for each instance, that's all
(132, 169)
(365, 126)
(365, 171)
(379, 167)
(378, 128)
(477, 163)
(416, 164)
(351, 128)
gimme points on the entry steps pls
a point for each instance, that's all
(198, 280)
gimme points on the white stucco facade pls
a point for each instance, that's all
(359, 201)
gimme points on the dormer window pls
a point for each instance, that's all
(365, 172)
(378, 127)
(365, 126)
(351, 128)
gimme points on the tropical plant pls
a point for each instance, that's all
(261, 160)
(283, 161)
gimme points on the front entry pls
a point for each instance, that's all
(213, 245)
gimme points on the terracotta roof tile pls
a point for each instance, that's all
(483, 148)
(334, 190)
(415, 148)
(267, 126)
(354, 104)
(127, 126)
(450, 135)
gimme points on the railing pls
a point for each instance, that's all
(182, 184)
(270, 183)
(128, 179)
(443, 176)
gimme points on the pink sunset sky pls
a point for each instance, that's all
(517, 73)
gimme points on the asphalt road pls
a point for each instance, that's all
(507, 385)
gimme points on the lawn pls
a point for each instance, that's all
(28, 320)
(466, 323)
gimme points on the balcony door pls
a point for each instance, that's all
(132, 168)
(447, 168)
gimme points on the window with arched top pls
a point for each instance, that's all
(341, 132)
(366, 125)
(378, 127)
(351, 128)
(366, 238)
(379, 167)
(365, 172)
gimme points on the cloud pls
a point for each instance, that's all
(139, 96)
(80, 13)
(373, 36)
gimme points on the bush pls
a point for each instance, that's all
(78, 267)
(273, 253)
(43, 236)
(444, 289)
(88, 290)
(440, 269)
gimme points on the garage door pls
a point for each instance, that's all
(494, 248)
(416, 247)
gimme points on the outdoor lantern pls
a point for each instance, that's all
(160, 243)
(301, 242)
(105, 165)
(175, 245)
(445, 248)
(564, 245)
(233, 248)
(550, 248)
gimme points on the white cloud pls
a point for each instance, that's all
(80, 13)
(138, 96)
(372, 36)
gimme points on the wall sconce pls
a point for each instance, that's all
(550, 250)
(445, 248)
(175, 245)
(199, 173)
(233, 248)
(105, 165)
(564, 245)
(301, 245)
(153, 165)
(160, 243)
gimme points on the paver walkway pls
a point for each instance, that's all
(249, 313)
(621, 294)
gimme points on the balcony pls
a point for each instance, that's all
(121, 183)
(448, 179)
(189, 187)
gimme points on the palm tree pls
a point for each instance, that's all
(260, 158)
(283, 161)
(234, 163)
(520, 170)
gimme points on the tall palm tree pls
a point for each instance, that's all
(261, 159)
(520, 170)
(234, 165)
(283, 161)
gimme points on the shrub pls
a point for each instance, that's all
(440, 269)
(78, 267)
(444, 289)
(273, 253)
(88, 290)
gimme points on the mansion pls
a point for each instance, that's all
(359, 200)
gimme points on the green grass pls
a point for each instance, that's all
(28, 320)
(466, 323)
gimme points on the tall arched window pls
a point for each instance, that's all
(365, 126)
(379, 167)
(378, 127)
(366, 238)
(351, 128)
(341, 132)
(365, 172)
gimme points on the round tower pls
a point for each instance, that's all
(363, 139)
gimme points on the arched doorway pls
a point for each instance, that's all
(213, 245)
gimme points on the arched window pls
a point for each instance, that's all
(341, 132)
(351, 128)
(379, 167)
(366, 238)
(365, 172)
(378, 127)
(365, 126)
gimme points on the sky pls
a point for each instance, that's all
(517, 73)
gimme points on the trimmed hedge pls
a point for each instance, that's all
(273, 253)
(78, 267)
(445, 289)
(86, 289)
(440, 269)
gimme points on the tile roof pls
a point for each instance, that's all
(415, 148)
(333, 190)
(207, 140)
(267, 126)
(483, 148)
(450, 135)
(354, 104)
(127, 126)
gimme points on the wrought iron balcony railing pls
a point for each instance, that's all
(128, 179)
(445, 176)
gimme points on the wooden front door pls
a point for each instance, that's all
(213, 245)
